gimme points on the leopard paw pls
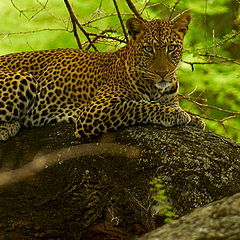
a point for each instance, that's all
(182, 118)
(175, 116)
(197, 122)
(8, 130)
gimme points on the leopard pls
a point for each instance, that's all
(98, 92)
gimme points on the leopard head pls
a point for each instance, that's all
(157, 47)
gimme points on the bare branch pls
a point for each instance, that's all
(210, 61)
(102, 35)
(73, 20)
(221, 57)
(120, 19)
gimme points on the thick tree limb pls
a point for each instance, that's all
(103, 192)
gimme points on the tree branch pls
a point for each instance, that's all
(133, 9)
(42, 161)
(75, 21)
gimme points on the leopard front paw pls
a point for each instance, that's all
(197, 122)
(175, 116)
(182, 117)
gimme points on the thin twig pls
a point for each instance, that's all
(180, 14)
(221, 57)
(198, 98)
(133, 9)
(5, 35)
(203, 63)
(173, 9)
(102, 35)
(145, 7)
(43, 7)
(156, 5)
(107, 37)
(20, 11)
(219, 121)
(205, 20)
(123, 14)
(120, 19)
(208, 106)
(102, 17)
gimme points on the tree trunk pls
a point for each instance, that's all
(99, 188)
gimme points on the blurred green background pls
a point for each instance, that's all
(214, 31)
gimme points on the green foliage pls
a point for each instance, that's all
(44, 24)
(218, 87)
(159, 195)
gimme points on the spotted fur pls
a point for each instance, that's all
(98, 91)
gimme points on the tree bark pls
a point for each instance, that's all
(99, 188)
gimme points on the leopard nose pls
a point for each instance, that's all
(162, 73)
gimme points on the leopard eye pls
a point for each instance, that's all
(171, 48)
(148, 49)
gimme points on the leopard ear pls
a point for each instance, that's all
(181, 24)
(135, 26)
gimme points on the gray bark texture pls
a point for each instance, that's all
(53, 186)
(216, 221)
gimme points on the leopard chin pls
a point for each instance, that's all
(162, 85)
